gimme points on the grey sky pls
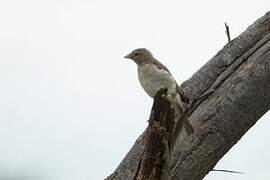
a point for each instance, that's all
(71, 106)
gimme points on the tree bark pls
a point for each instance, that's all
(240, 75)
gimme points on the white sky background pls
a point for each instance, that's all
(71, 107)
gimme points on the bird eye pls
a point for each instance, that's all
(136, 54)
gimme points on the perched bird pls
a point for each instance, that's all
(154, 76)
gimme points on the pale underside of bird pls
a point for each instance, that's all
(154, 76)
(153, 79)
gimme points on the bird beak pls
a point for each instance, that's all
(128, 56)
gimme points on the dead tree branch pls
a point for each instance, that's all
(157, 139)
(228, 32)
(240, 73)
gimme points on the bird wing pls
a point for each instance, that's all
(184, 98)
(160, 65)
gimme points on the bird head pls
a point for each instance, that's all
(140, 56)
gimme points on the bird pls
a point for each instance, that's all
(154, 76)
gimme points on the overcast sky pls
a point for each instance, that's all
(71, 107)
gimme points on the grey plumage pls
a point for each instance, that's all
(154, 76)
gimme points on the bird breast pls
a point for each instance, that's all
(153, 79)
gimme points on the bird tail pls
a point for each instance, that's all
(183, 121)
(188, 127)
(184, 98)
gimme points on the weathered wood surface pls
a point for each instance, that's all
(240, 72)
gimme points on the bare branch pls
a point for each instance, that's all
(240, 75)
(228, 32)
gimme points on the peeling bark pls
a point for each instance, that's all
(157, 138)
(240, 73)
